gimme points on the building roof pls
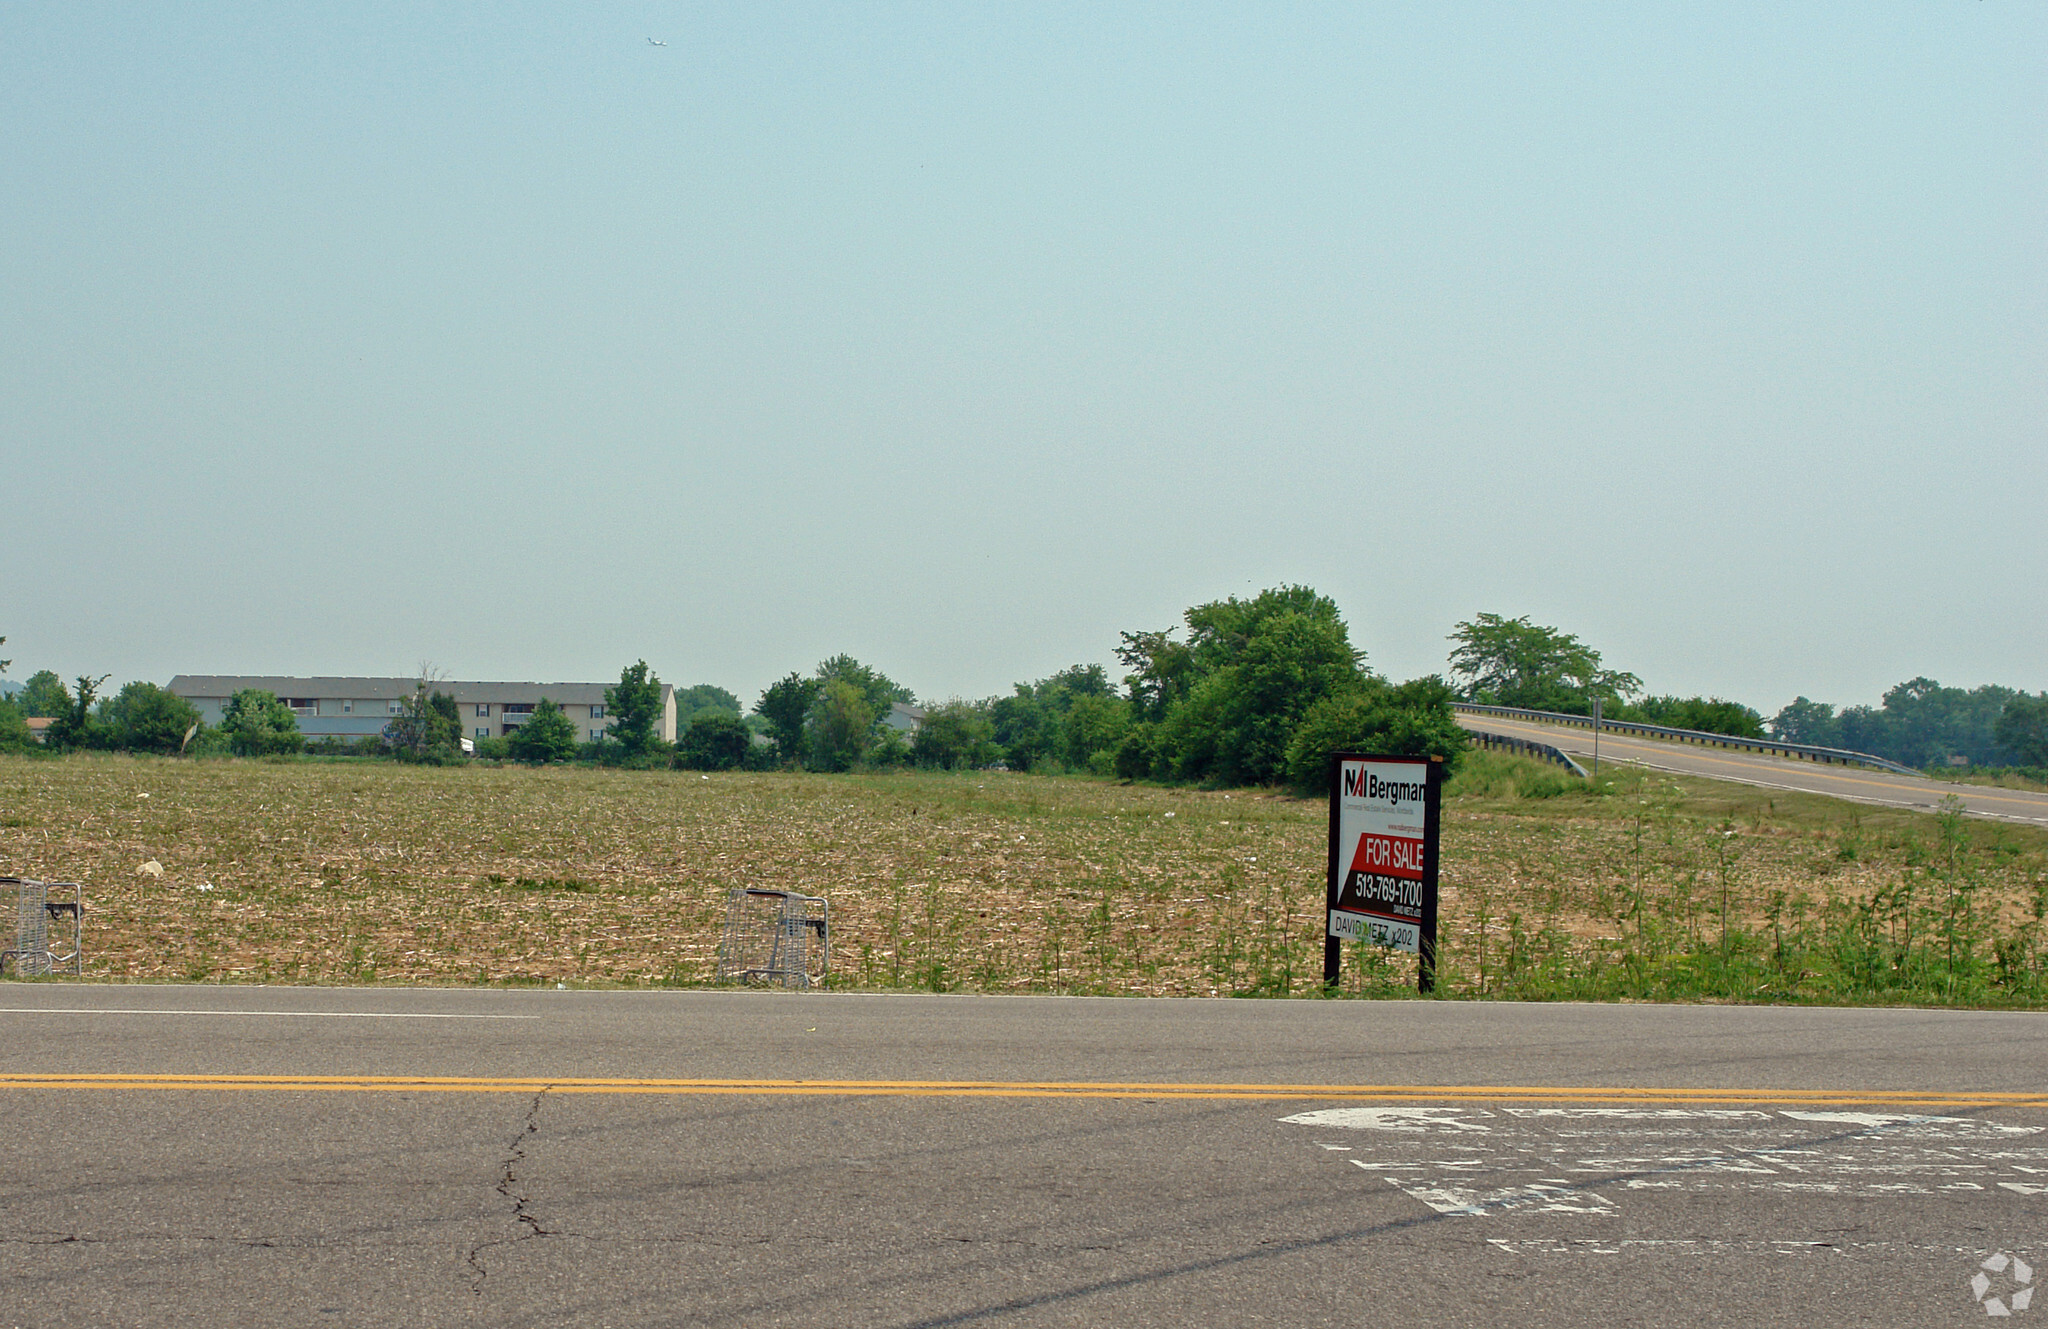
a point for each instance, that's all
(391, 689)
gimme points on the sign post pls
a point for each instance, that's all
(1385, 814)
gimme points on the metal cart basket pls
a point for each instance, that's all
(776, 937)
(31, 953)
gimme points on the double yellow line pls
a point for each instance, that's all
(1563, 1095)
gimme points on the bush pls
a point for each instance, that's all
(715, 741)
(1411, 720)
(888, 752)
(14, 731)
(257, 724)
(956, 736)
(547, 735)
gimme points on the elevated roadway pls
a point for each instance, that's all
(1857, 784)
(252, 1156)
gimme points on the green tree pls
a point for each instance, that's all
(705, 697)
(1514, 662)
(635, 708)
(77, 726)
(15, 735)
(428, 727)
(1710, 715)
(146, 718)
(1093, 730)
(44, 696)
(1223, 706)
(838, 730)
(876, 688)
(786, 704)
(715, 741)
(1413, 719)
(547, 735)
(956, 736)
(1810, 722)
(2023, 729)
(257, 724)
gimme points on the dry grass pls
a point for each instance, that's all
(371, 872)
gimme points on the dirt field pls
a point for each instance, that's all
(360, 872)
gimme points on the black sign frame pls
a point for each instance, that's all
(1432, 771)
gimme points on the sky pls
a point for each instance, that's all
(351, 338)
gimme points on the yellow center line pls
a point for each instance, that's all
(1382, 1093)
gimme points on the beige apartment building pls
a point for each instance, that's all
(354, 708)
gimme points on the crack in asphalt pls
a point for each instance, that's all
(508, 1182)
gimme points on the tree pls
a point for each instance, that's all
(1711, 715)
(837, 732)
(635, 708)
(146, 718)
(1412, 720)
(956, 736)
(43, 696)
(693, 702)
(715, 741)
(547, 735)
(2023, 728)
(1223, 706)
(77, 726)
(877, 689)
(15, 735)
(257, 724)
(1514, 662)
(786, 705)
(1810, 722)
(428, 727)
(1093, 730)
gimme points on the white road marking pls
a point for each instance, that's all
(1584, 1161)
(302, 1015)
(1414, 1120)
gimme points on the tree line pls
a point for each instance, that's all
(1253, 691)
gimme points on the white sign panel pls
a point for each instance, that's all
(1384, 883)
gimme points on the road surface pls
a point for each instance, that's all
(1755, 768)
(252, 1156)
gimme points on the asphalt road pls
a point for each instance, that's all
(251, 1156)
(1754, 768)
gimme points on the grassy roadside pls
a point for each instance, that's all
(1649, 887)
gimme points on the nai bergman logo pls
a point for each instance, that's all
(2004, 1284)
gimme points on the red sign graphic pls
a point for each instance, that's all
(1389, 855)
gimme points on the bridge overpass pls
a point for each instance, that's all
(1887, 788)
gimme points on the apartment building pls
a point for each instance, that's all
(353, 708)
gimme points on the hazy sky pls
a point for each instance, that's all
(335, 339)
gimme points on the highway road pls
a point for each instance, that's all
(261, 1156)
(1754, 768)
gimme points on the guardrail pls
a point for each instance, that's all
(1805, 751)
(1528, 747)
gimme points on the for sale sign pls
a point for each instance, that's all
(1384, 815)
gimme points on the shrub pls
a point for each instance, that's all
(1411, 720)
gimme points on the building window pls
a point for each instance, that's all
(396, 706)
(596, 735)
(483, 731)
(597, 711)
(483, 708)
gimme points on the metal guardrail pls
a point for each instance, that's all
(1528, 747)
(1804, 751)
